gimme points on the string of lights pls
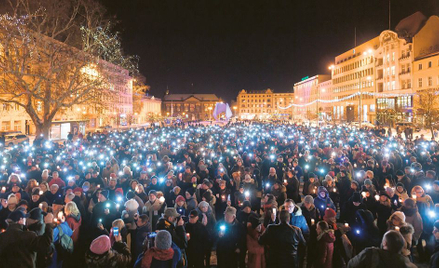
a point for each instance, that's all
(381, 95)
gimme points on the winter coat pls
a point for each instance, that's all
(18, 247)
(283, 241)
(322, 203)
(298, 220)
(413, 217)
(384, 211)
(325, 249)
(199, 240)
(154, 212)
(293, 189)
(139, 237)
(178, 233)
(256, 254)
(118, 256)
(310, 214)
(280, 193)
(74, 223)
(434, 260)
(379, 258)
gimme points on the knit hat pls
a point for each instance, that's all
(180, 198)
(152, 192)
(193, 213)
(385, 194)
(78, 189)
(190, 190)
(356, 197)
(163, 240)
(254, 220)
(100, 245)
(308, 199)
(58, 201)
(105, 193)
(329, 213)
(35, 214)
(400, 184)
(328, 178)
(131, 205)
(203, 204)
(16, 215)
(367, 182)
(400, 215)
(118, 191)
(399, 173)
(245, 204)
(130, 195)
(409, 202)
(331, 173)
(208, 196)
(436, 224)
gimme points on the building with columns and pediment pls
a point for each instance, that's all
(189, 106)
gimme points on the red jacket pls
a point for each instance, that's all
(74, 224)
(325, 249)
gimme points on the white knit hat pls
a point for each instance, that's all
(12, 199)
(131, 205)
(400, 215)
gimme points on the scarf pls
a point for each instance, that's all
(158, 254)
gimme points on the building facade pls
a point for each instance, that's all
(151, 109)
(264, 105)
(307, 91)
(189, 106)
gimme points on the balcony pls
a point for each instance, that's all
(405, 56)
(404, 73)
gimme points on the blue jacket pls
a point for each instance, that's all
(298, 220)
(323, 203)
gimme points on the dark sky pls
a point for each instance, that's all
(223, 46)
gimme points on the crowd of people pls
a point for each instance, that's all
(252, 194)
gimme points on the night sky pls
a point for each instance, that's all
(223, 46)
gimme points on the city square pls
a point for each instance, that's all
(219, 134)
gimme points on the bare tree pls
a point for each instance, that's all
(427, 103)
(55, 54)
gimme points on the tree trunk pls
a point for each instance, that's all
(44, 129)
(432, 132)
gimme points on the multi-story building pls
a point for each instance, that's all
(309, 90)
(190, 106)
(150, 109)
(264, 104)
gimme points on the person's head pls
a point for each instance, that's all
(118, 223)
(152, 195)
(54, 188)
(55, 175)
(289, 205)
(321, 227)
(113, 183)
(393, 242)
(71, 209)
(35, 194)
(44, 186)
(204, 206)
(193, 216)
(272, 171)
(171, 215)
(103, 196)
(398, 218)
(418, 191)
(17, 216)
(100, 245)
(69, 197)
(142, 220)
(436, 230)
(163, 240)
(308, 201)
(230, 214)
(284, 216)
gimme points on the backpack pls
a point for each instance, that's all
(64, 245)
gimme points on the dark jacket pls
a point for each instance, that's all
(325, 249)
(298, 220)
(178, 233)
(322, 203)
(379, 258)
(283, 241)
(118, 256)
(162, 264)
(199, 238)
(18, 247)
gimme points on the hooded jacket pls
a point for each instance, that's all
(413, 217)
(298, 220)
(325, 249)
(322, 203)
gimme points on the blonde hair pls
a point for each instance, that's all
(45, 184)
(118, 223)
(71, 209)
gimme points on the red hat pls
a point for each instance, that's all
(113, 175)
(331, 173)
(78, 189)
(118, 191)
(180, 198)
(100, 245)
(329, 213)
